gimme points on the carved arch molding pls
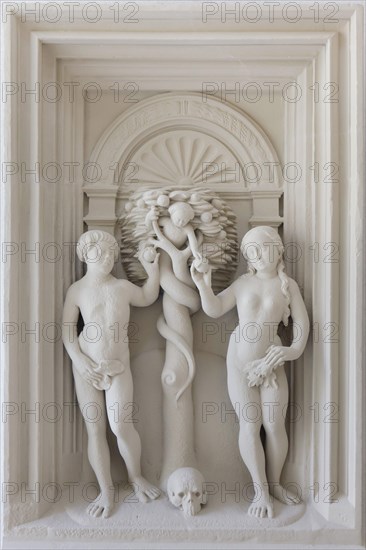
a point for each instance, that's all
(184, 140)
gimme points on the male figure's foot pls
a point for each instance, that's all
(284, 495)
(144, 490)
(103, 505)
(262, 506)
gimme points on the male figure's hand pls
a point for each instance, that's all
(86, 368)
(151, 268)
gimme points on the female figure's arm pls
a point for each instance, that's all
(213, 306)
(278, 354)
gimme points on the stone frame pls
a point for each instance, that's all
(333, 213)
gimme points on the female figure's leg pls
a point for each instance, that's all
(92, 405)
(247, 402)
(274, 406)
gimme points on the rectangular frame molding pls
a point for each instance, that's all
(157, 51)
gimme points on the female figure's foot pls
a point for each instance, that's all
(261, 507)
(144, 490)
(284, 495)
(102, 506)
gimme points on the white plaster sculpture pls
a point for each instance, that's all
(264, 298)
(186, 490)
(101, 362)
(187, 225)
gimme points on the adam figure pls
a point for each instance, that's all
(101, 362)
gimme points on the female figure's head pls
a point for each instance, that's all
(181, 213)
(98, 249)
(263, 249)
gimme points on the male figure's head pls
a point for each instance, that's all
(99, 250)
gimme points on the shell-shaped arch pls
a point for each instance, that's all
(186, 139)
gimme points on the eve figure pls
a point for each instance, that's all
(264, 297)
(101, 362)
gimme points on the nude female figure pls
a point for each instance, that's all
(101, 360)
(264, 297)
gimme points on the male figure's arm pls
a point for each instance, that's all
(83, 364)
(149, 292)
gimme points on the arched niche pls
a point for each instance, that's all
(185, 140)
(180, 139)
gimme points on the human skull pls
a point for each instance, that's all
(186, 490)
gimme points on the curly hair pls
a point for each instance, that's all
(273, 237)
(95, 236)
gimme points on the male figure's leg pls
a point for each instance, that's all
(128, 440)
(92, 405)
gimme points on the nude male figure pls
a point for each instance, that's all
(101, 361)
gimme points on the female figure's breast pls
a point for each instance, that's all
(259, 317)
(253, 305)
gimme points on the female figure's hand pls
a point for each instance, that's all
(276, 355)
(201, 280)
